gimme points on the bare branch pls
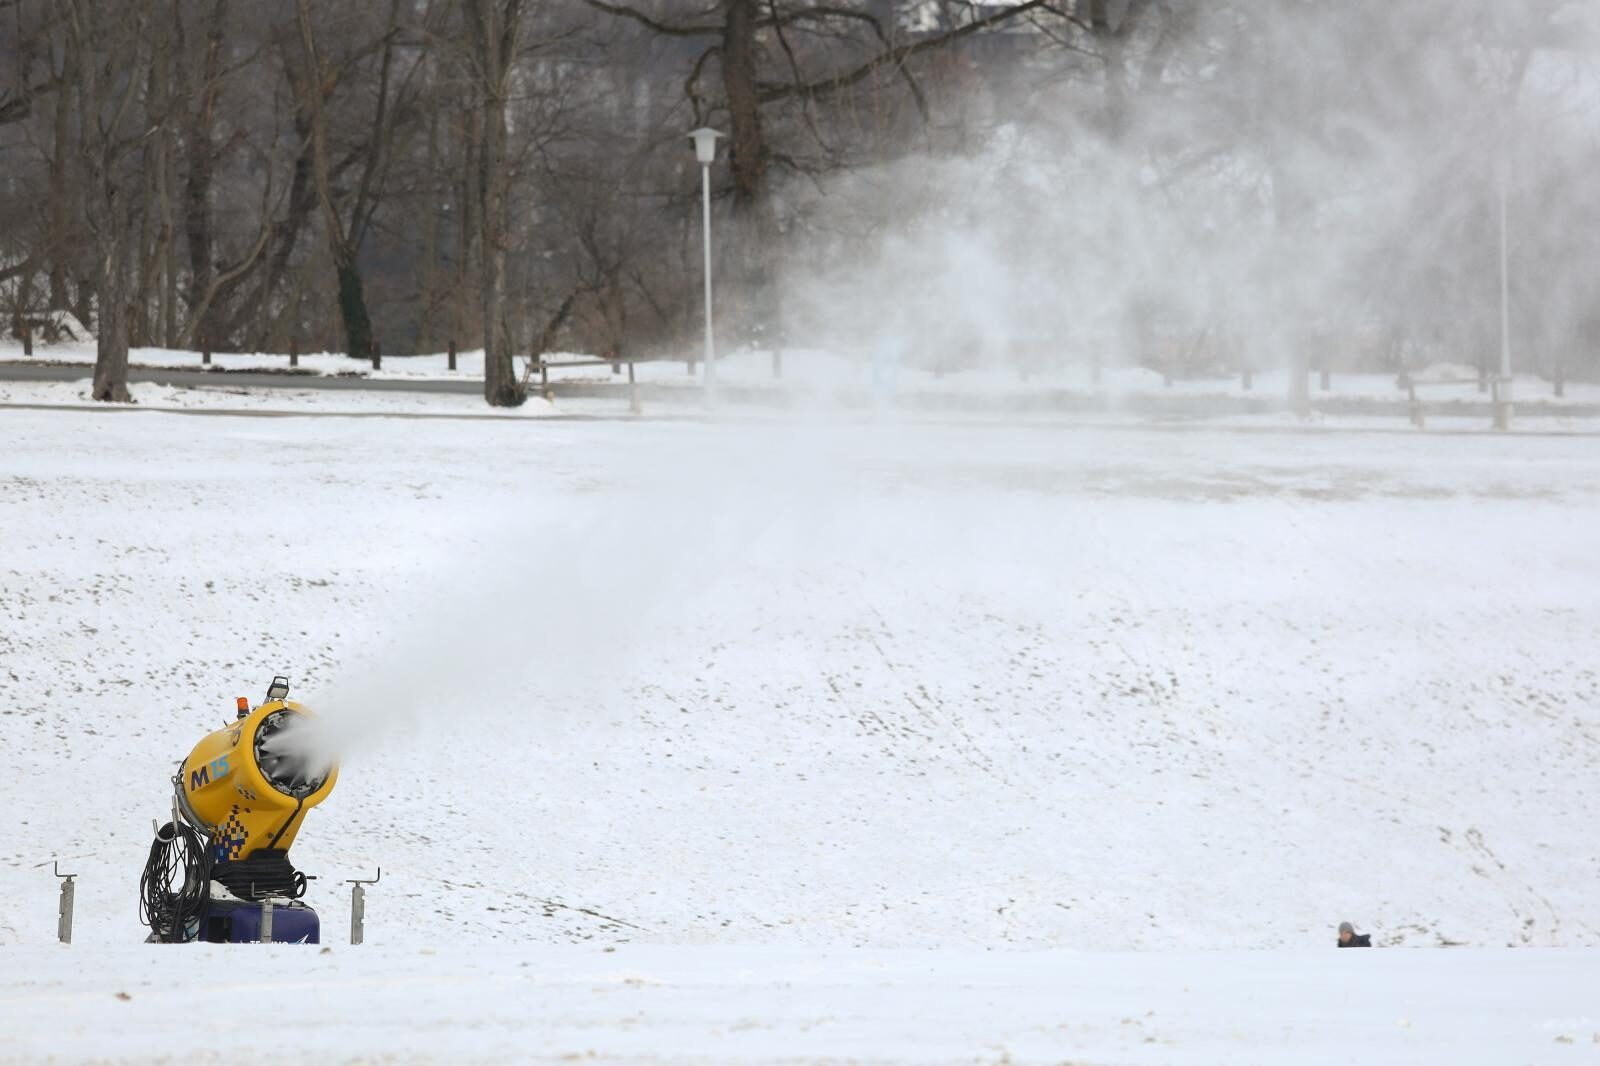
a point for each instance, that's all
(16, 108)
(690, 87)
(624, 11)
(897, 55)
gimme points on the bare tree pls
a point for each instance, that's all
(347, 215)
(494, 28)
(109, 49)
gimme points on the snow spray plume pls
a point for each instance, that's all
(528, 611)
(1226, 186)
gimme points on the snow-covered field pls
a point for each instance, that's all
(954, 700)
(650, 1004)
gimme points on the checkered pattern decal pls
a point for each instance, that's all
(230, 836)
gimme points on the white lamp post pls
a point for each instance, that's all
(705, 150)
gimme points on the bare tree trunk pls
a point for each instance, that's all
(343, 241)
(747, 146)
(139, 312)
(111, 347)
(496, 32)
(286, 234)
(754, 225)
(169, 250)
(353, 304)
(430, 245)
(59, 234)
(200, 158)
(105, 99)
(146, 321)
(466, 215)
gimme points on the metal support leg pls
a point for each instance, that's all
(266, 921)
(358, 906)
(358, 914)
(69, 890)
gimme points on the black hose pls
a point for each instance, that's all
(175, 888)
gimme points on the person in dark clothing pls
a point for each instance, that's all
(1348, 938)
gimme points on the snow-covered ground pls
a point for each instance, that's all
(843, 690)
(645, 1004)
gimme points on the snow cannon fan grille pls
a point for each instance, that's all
(286, 754)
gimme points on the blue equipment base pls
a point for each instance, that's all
(238, 922)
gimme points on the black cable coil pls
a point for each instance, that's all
(175, 889)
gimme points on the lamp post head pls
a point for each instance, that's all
(705, 144)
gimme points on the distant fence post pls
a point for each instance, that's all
(634, 406)
(1561, 380)
(452, 353)
(1413, 405)
(1501, 403)
(64, 909)
(205, 350)
(294, 352)
(377, 355)
(27, 337)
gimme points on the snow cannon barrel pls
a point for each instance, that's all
(250, 783)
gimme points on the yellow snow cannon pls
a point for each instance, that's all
(250, 783)
(239, 800)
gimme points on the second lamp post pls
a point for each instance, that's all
(705, 150)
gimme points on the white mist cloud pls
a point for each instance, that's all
(1304, 179)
